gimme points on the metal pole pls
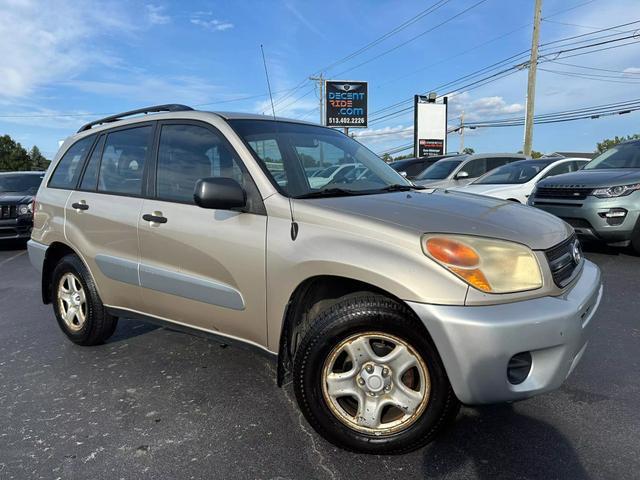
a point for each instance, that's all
(462, 132)
(320, 80)
(531, 82)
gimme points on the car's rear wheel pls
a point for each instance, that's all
(77, 305)
(369, 379)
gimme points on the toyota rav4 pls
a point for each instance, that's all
(385, 304)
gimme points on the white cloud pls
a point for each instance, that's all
(205, 20)
(483, 108)
(382, 135)
(632, 71)
(143, 88)
(43, 42)
(156, 14)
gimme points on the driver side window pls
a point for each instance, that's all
(475, 168)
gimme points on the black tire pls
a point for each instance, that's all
(357, 313)
(635, 239)
(98, 325)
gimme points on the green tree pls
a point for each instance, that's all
(607, 143)
(387, 158)
(534, 153)
(37, 160)
(468, 151)
(13, 157)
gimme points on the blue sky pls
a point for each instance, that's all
(63, 60)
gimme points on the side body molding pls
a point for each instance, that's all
(171, 282)
(191, 286)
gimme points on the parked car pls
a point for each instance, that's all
(333, 173)
(385, 305)
(515, 181)
(459, 170)
(17, 190)
(412, 167)
(601, 201)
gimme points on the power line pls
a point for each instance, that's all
(515, 67)
(414, 37)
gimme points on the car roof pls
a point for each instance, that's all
(30, 172)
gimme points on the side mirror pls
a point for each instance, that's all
(462, 174)
(219, 193)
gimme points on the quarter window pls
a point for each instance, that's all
(69, 166)
(90, 177)
(123, 160)
(188, 153)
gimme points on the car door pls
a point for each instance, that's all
(201, 267)
(102, 213)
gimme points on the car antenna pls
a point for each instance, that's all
(266, 73)
(294, 224)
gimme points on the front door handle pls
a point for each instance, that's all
(80, 205)
(154, 218)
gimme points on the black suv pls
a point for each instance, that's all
(17, 191)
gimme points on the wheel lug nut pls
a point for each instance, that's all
(360, 381)
(385, 372)
(369, 368)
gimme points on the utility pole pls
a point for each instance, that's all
(462, 131)
(531, 82)
(320, 80)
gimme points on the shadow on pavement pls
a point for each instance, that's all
(496, 442)
(6, 245)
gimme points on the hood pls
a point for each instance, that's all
(606, 177)
(14, 198)
(445, 182)
(442, 211)
(491, 190)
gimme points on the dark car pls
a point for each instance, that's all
(601, 201)
(17, 191)
(412, 167)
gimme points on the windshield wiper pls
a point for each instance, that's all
(330, 192)
(401, 188)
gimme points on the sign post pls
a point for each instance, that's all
(346, 104)
(430, 126)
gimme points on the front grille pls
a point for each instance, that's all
(564, 260)
(567, 193)
(8, 211)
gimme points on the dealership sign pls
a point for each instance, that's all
(430, 126)
(346, 103)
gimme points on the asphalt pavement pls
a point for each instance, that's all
(158, 403)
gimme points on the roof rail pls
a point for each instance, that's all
(170, 107)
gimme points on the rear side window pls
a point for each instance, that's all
(123, 159)
(90, 177)
(188, 153)
(69, 167)
(496, 162)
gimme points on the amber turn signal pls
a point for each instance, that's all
(452, 253)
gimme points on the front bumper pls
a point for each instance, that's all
(15, 228)
(476, 343)
(585, 216)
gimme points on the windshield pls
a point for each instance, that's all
(439, 170)
(626, 155)
(307, 160)
(20, 183)
(513, 173)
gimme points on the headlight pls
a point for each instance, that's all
(25, 209)
(493, 266)
(612, 192)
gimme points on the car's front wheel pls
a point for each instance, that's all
(77, 305)
(369, 379)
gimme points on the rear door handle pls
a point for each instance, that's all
(80, 206)
(154, 218)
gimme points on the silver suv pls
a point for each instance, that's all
(385, 305)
